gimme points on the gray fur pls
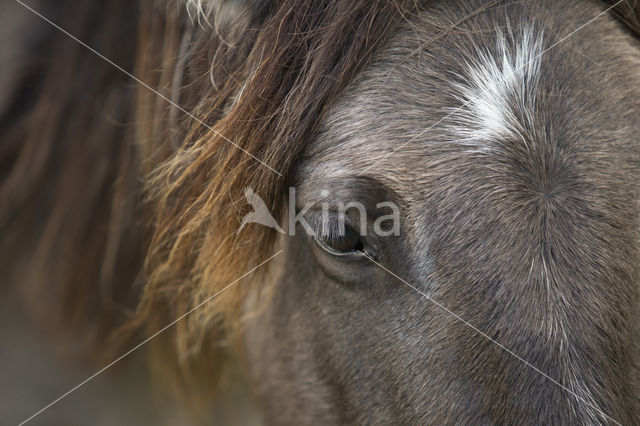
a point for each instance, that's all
(534, 241)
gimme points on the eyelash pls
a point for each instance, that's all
(341, 243)
(330, 242)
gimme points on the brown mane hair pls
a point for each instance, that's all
(78, 226)
(263, 80)
(263, 84)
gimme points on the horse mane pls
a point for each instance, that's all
(120, 212)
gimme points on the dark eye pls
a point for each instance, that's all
(341, 243)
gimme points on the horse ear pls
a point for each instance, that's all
(220, 13)
(628, 12)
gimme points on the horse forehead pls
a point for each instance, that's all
(428, 99)
(491, 96)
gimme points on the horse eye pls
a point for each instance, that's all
(346, 242)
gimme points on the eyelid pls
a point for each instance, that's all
(368, 250)
(315, 220)
(363, 254)
(324, 246)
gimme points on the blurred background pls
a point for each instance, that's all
(35, 366)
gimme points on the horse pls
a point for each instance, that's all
(504, 135)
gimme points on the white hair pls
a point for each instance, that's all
(219, 14)
(199, 9)
(496, 82)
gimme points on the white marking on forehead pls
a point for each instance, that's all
(498, 86)
(495, 90)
